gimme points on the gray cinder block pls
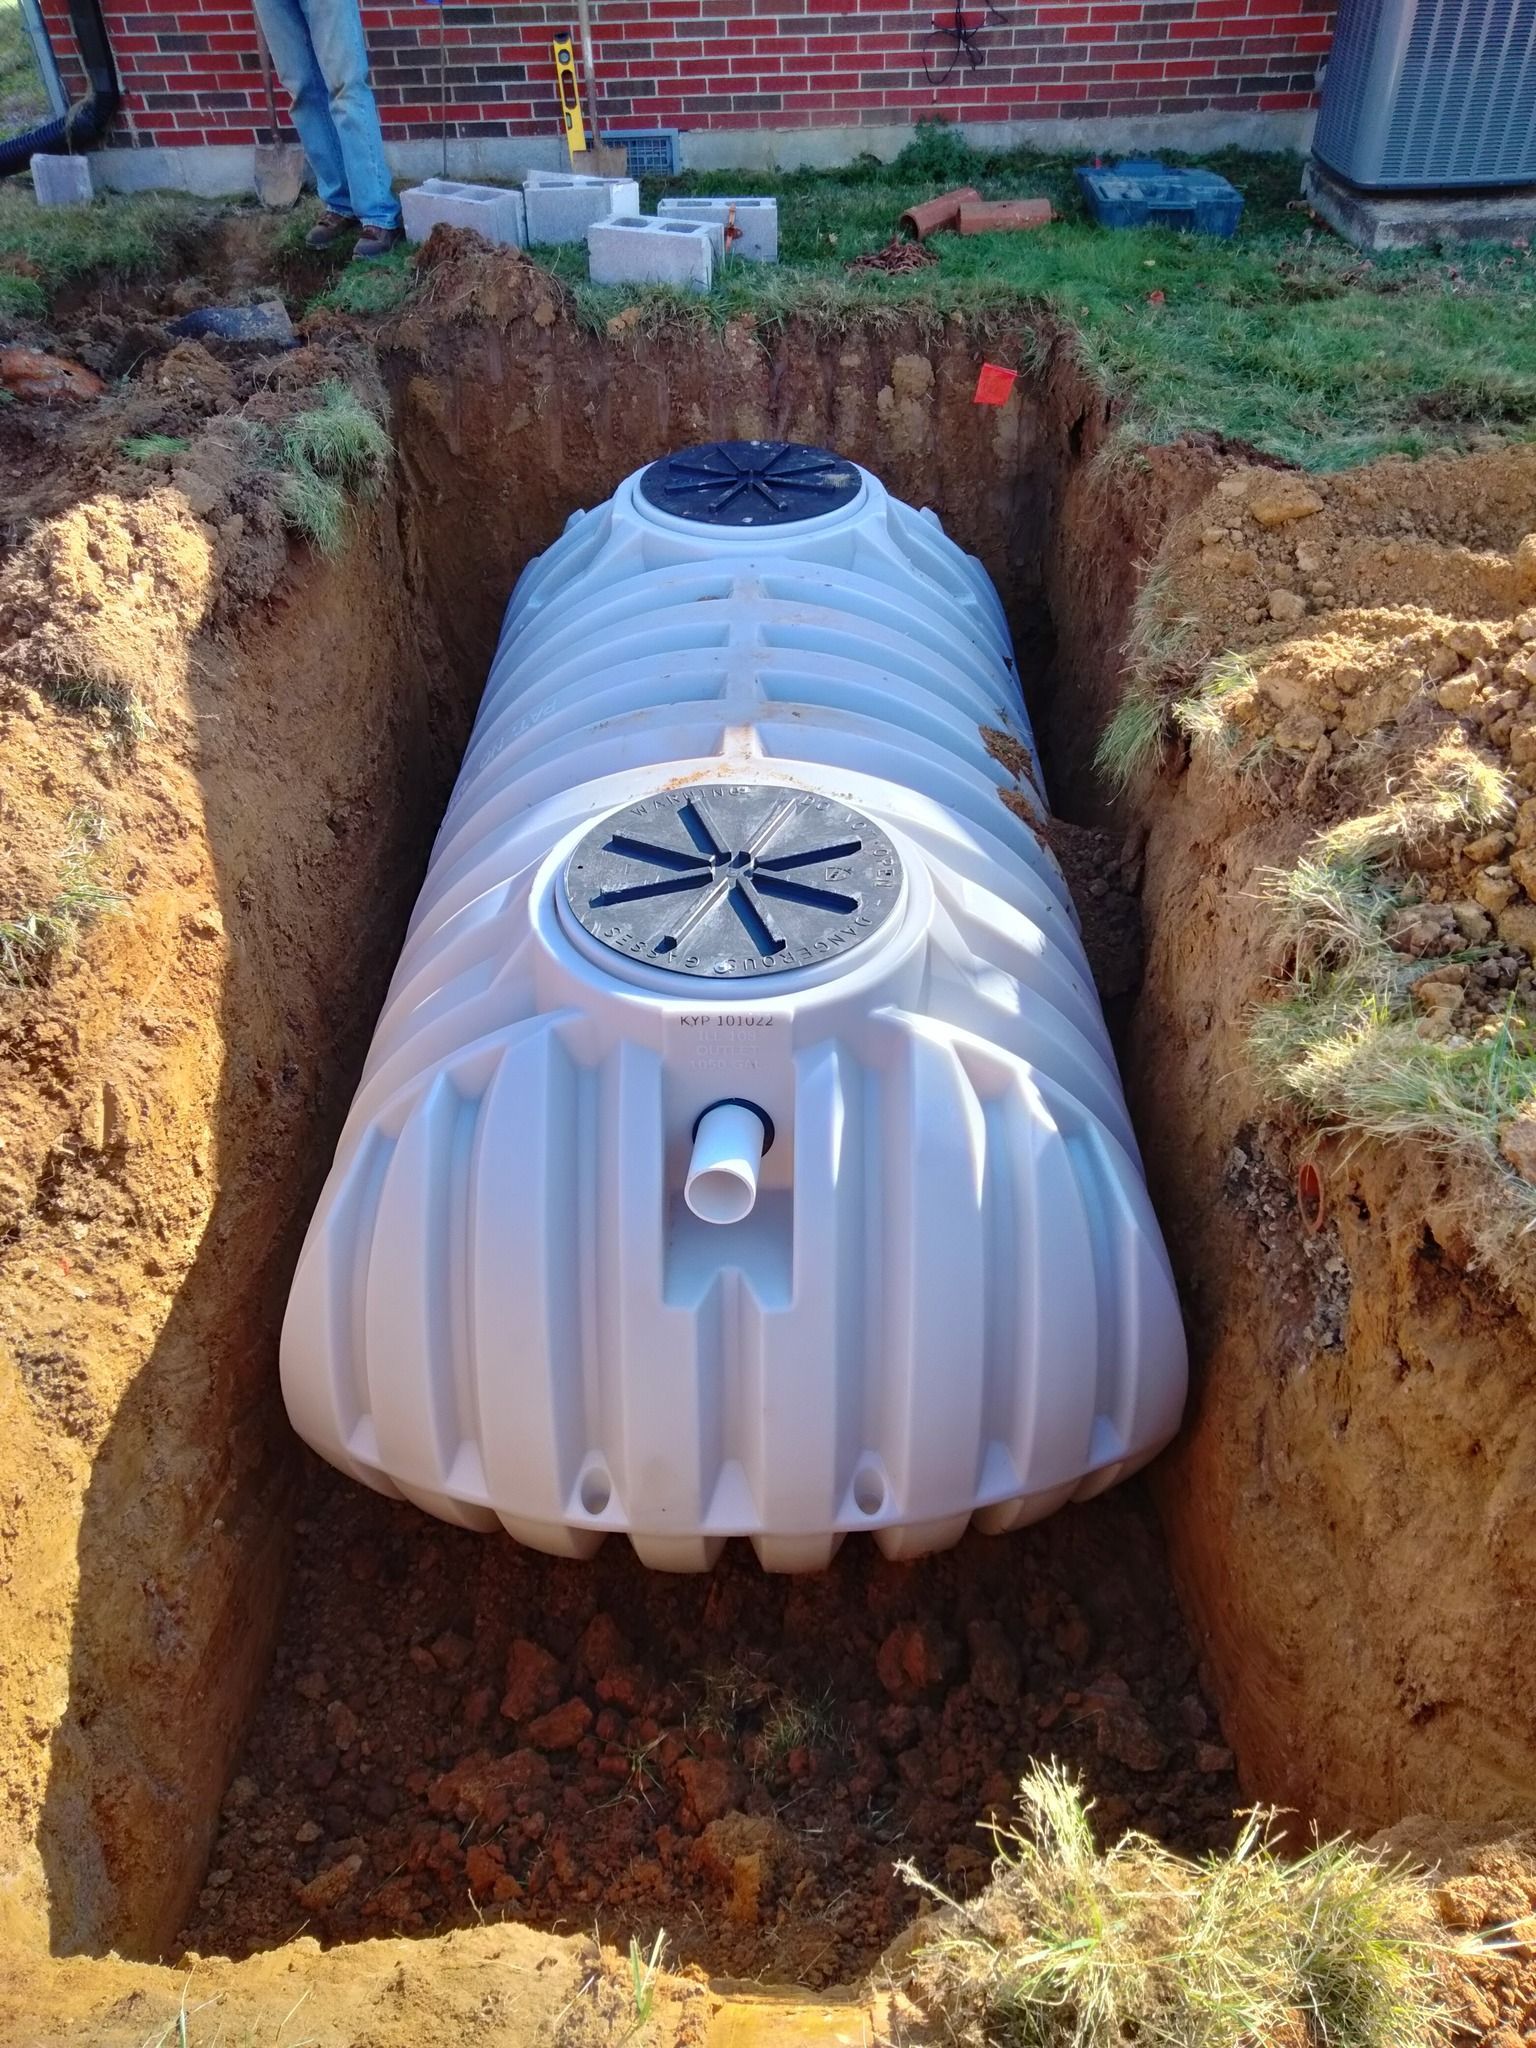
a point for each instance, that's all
(757, 222)
(635, 250)
(447, 202)
(562, 205)
(62, 180)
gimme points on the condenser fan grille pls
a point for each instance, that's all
(1426, 93)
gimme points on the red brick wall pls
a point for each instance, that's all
(191, 76)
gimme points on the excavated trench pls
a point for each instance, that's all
(452, 1727)
(248, 1699)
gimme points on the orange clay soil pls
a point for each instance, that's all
(456, 1729)
(1350, 1508)
(241, 791)
(242, 748)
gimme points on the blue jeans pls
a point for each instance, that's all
(319, 53)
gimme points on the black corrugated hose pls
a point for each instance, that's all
(87, 119)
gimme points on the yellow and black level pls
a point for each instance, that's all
(570, 96)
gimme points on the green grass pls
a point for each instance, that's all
(124, 707)
(1342, 1042)
(34, 940)
(338, 438)
(370, 289)
(112, 238)
(1132, 737)
(21, 298)
(152, 447)
(1354, 1061)
(316, 508)
(1200, 714)
(1076, 1947)
(1283, 338)
(1157, 644)
(332, 453)
(643, 1971)
(794, 1723)
(23, 99)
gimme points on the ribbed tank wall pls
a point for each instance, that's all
(950, 1298)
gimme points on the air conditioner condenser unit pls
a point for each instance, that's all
(1427, 94)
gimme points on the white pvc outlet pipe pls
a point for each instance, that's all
(727, 1153)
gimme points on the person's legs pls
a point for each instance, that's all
(336, 30)
(284, 25)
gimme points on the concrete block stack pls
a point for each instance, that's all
(562, 205)
(755, 223)
(685, 243)
(491, 210)
(638, 249)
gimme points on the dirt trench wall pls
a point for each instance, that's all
(512, 416)
(1349, 1507)
(170, 1100)
(1352, 1506)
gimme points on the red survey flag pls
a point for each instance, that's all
(994, 384)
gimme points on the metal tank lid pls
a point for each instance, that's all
(731, 881)
(751, 483)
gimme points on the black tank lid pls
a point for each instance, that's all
(750, 483)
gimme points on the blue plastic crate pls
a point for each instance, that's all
(1140, 192)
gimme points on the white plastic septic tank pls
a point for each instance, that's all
(740, 1151)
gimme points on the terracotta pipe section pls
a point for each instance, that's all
(933, 214)
(1003, 216)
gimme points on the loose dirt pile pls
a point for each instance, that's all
(1489, 1891)
(1357, 697)
(457, 1728)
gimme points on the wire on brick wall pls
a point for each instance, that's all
(953, 36)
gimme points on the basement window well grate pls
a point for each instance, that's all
(652, 152)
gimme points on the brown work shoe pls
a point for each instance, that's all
(376, 242)
(329, 229)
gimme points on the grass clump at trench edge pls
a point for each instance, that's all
(1132, 737)
(329, 455)
(33, 940)
(1343, 1039)
(372, 288)
(113, 237)
(1071, 1946)
(1156, 644)
(1283, 337)
(124, 708)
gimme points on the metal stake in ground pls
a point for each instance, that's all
(442, 83)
